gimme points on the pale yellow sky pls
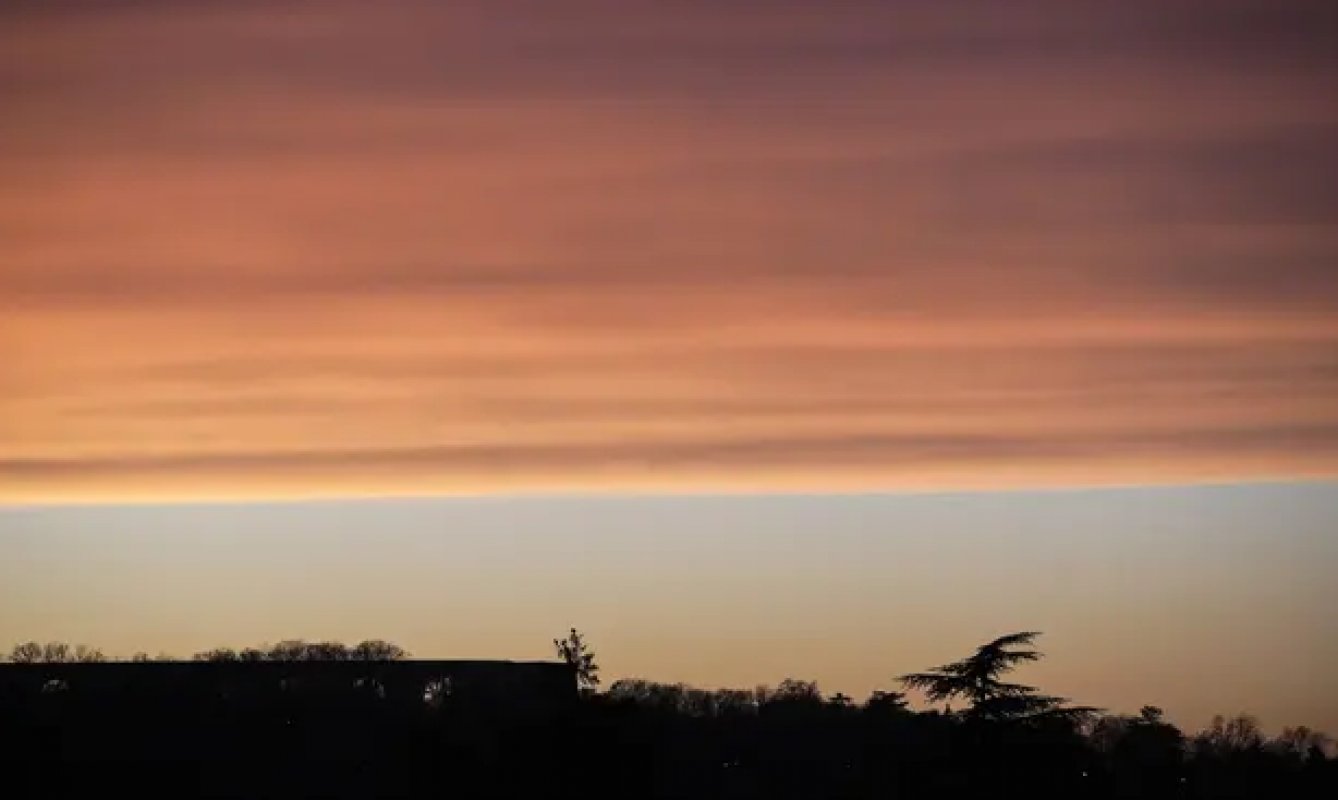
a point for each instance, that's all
(1202, 600)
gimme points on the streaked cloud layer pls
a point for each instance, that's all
(298, 247)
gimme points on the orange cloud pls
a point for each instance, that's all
(275, 248)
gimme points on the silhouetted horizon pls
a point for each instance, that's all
(1130, 584)
(316, 702)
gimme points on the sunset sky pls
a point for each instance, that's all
(649, 253)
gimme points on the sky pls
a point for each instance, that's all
(299, 248)
(261, 251)
(1202, 600)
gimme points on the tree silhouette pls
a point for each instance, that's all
(55, 653)
(795, 691)
(301, 650)
(1300, 742)
(1227, 737)
(87, 655)
(639, 739)
(217, 654)
(575, 651)
(881, 702)
(977, 679)
(26, 653)
(841, 700)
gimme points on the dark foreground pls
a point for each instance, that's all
(494, 729)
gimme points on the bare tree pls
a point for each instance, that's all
(378, 650)
(1226, 737)
(576, 652)
(793, 690)
(300, 650)
(26, 653)
(87, 655)
(327, 651)
(287, 650)
(54, 653)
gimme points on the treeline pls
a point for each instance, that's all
(983, 735)
(287, 650)
(791, 740)
(1004, 739)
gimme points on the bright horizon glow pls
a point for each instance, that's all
(800, 488)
